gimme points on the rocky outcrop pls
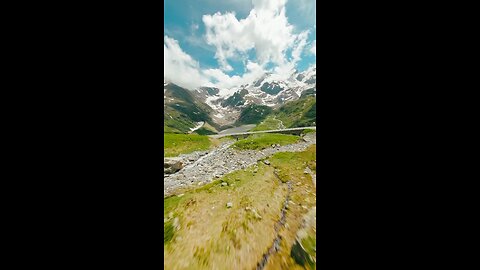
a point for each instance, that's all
(172, 165)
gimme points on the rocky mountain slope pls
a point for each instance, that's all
(246, 104)
(182, 111)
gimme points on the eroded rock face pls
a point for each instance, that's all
(172, 165)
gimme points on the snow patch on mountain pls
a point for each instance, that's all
(270, 89)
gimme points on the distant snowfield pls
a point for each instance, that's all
(270, 90)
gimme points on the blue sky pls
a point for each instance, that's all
(228, 42)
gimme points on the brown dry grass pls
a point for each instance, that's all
(212, 236)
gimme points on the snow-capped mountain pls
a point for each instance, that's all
(269, 90)
(223, 107)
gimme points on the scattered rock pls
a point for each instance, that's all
(221, 161)
(229, 205)
(180, 195)
(224, 184)
(248, 208)
(172, 165)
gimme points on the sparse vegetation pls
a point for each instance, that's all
(210, 234)
(262, 141)
(269, 123)
(298, 113)
(175, 144)
(207, 129)
(254, 114)
(306, 131)
(183, 110)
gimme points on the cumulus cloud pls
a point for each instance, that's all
(254, 71)
(313, 49)
(266, 29)
(179, 67)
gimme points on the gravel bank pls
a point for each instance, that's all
(204, 166)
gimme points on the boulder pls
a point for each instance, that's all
(172, 165)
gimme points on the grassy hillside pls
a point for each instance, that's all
(265, 140)
(268, 124)
(253, 114)
(175, 121)
(207, 129)
(298, 113)
(175, 144)
(182, 110)
(200, 232)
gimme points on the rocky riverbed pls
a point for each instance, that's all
(204, 166)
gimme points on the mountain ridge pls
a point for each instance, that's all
(226, 107)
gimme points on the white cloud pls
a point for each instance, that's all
(301, 41)
(179, 67)
(254, 71)
(313, 49)
(266, 29)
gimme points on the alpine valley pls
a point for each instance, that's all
(208, 110)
